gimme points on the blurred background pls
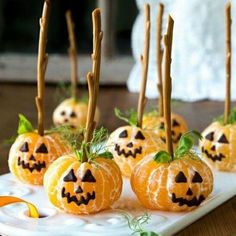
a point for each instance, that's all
(19, 38)
(19, 25)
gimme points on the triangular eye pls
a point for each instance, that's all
(123, 134)
(197, 178)
(180, 178)
(42, 149)
(175, 123)
(70, 177)
(24, 147)
(223, 139)
(139, 135)
(210, 136)
(88, 177)
(72, 114)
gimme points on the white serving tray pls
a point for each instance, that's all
(14, 220)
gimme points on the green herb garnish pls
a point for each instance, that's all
(129, 116)
(162, 157)
(136, 224)
(231, 118)
(184, 147)
(71, 135)
(186, 142)
(24, 125)
(93, 149)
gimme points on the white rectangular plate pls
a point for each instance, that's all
(14, 221)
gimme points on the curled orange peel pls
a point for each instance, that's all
(7, 200)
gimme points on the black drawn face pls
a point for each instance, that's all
(67, 117)
(130, 142)
(176, 130)
(183, 183)
(30, 157)
(79, 191)
(216, 146)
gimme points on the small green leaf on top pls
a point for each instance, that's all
(162, 157)
(129, 117)
(186, 142)
(24, 125)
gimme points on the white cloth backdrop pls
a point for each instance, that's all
(198, 60)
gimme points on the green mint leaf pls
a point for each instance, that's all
(107, 155)
(24, 125)
(162, 157)
(186, 142)
(148, 233)
(129, 117)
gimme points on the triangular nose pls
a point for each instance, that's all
(32, 158)
(79, 190)
(189, 192)
(213, 148)
(130, 145)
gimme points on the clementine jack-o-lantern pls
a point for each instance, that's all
(172, 185)
(31, 154)
(172, 180)
(129, 144)
(88, 180)
(83, 188)
(218, 146)
(152, 121)
(73, 113)
(34, 150)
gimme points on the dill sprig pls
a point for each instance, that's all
(71, 135)
(95, 148)
(136, 224)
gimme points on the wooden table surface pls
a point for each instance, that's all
(19, 98)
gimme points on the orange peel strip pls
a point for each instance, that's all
(7, 200)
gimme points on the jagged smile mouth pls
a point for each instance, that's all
(174, 140)
(190, 203)
(131, 153)
(36, 166)
(77, 201)
(213, 157)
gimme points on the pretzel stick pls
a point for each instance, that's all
(167, 85)
(159, 57)
(228, 22)
(42, 65)
(94, 76)
(144, 62)
(72, 53)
